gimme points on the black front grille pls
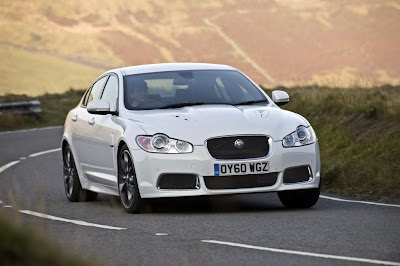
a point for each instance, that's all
(240, 181)
(296, 174)
(224, 147)
(178, 181)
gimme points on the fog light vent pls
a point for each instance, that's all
(178, 181)
(297, 174)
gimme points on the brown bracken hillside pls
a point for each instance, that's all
(340, 42)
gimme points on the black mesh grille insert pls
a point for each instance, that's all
(240, 181)
(296, 174)
(224, 147)
(178, 181)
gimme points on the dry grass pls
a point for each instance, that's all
(34, 74)
(312, 42)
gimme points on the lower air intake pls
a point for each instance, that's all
(240, 181)
(297, 174)
(178, 181)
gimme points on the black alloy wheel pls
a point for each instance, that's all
(71, 180)
(72, 185)
(127, 183)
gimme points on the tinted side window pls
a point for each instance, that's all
(97, 88)
(111, 92)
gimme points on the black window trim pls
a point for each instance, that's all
(91, 87)
(84, 97)
(116, 112)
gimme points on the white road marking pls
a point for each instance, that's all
(44, 152)
(29, 130)
(326, 256)
(1, 202)
(3, 168)
(359, 201)
(22, 158)
(7, 206)
(54, 218)
(161, 234)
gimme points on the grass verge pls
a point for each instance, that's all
(21, 246)
(359, 134)
(54, 107)
(358, 130)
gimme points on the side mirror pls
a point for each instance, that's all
(99, 107)
(280, 97)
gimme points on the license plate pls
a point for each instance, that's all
(240, 168)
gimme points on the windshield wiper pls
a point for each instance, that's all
(252, 102)
(179, 105)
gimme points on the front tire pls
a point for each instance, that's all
(127, 182)
(299, 199)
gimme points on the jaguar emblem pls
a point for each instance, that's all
(239, 143)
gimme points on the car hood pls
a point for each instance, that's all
(198, 123)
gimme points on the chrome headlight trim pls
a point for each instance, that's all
(160, 143)
(301, 137)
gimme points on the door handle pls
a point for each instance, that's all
(74, 118)
(91, 121)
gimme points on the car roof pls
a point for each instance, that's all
(170, 67)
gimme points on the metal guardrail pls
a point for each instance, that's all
(21, 107)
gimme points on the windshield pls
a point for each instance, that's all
(175, 89)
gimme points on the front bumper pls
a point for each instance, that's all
(150, 166)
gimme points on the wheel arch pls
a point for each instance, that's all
(64, 143)
(121, 143)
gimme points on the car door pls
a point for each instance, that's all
(101, 132)
(82, 132)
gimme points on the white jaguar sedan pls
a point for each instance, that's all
(183, 129)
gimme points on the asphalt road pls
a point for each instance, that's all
(176, 231)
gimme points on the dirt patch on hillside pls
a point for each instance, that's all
(131, 50)
(62, 21)
(95, 20)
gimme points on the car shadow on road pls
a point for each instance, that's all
(260, 202)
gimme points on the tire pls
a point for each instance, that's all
(127, 182)
(72, 184)
(299, 199)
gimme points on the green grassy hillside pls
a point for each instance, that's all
(359, 134)
(54, 110)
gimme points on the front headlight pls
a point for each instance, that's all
(162, 144)
(302, 136)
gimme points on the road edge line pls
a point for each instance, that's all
(77, 222)
(43, 152)
(29, 130)
(5, 167)
(310, 254)
(360, 201)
